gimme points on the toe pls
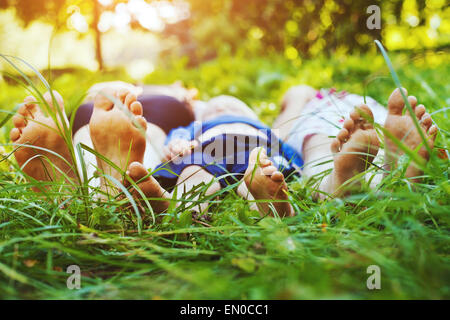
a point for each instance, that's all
(432, 131)
(136, 171)
(420, 111)
(265, 162)
(28, 108)
(365, 112)
(412, 101)
(136, 108)
(122, 94)
(103, 100)
(29, 99)
(343, 135)
(269, 170)
(355, 116)
(258, 155)
(364, 116)
(29, 103)
(349, 124)
(22, 111)
(19, 121)
(426, 121)
(396, 102)
(58, 100)
(140, 120)
(277, 176)
(335, 146)
(14, 134)
(129, 99)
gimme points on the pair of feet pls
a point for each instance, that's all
(357, 143)
(117, 130)
(118, 133)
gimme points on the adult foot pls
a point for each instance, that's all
(265, 182)
(354, 149)
(149, 187)
(117, 131)
(41, 139)
(402, 127)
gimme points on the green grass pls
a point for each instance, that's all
(323, 252)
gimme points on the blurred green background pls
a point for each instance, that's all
(140, 36)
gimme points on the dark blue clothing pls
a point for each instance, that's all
(227, 155)
(164, 111)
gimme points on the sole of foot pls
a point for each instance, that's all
(265, 182)
(354, 149)
(35, 128)
(401, 125)
(149, 187)
(117, 130)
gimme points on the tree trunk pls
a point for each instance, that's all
(97, 35)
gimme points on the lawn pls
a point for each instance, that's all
(230, 252)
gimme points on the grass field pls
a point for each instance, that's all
(231, 253)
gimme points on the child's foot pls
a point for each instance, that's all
(33, 127)
(117, 131)
(149, 187)
(354, 149)
(402, 127)
(265, 182)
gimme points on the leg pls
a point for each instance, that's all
(403, 128)
(293, 102)
(265, 182)
(34, 128)
(317, 154)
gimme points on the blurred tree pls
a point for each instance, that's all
(57, 13)
(307, 27)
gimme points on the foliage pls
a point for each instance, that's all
(308, 28)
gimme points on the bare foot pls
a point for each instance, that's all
(403, 128)
(33, 127)
(354, 149)
(149, 187)
(115, 131)
(265, 182)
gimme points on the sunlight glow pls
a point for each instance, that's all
(139, 69)
(78, 22)
(148, 18)
(106, 21)
(413, 20)
(122, 18)
(151, 16)
(435, 22)
(105, 2)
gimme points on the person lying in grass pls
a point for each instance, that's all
(164, 107)
(117, 130)
(311, 118)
